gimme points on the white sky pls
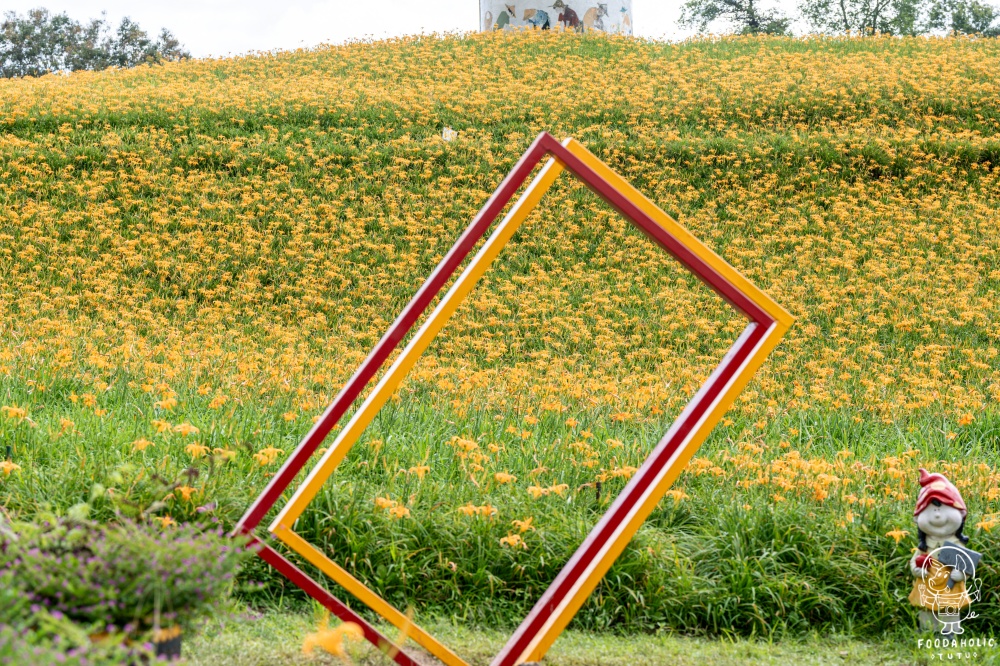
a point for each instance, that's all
(229, 27)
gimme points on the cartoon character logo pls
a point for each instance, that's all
(946, 595)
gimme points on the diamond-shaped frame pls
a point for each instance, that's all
(584, 570)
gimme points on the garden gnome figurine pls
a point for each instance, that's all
(943, 568)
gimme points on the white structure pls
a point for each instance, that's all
(610, 16)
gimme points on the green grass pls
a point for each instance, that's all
(724, 560)
(275, 638)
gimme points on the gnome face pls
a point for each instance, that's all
(939, 520)
(940, 507)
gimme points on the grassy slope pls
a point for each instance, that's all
(217, 244)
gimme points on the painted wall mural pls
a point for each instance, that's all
(612, 16)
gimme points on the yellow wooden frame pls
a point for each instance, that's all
(282, 526)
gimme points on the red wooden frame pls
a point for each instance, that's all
(639, 486)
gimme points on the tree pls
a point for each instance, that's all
(865, 17)
(40, 42)
(968, 17)
(745, 15)
(899, 17)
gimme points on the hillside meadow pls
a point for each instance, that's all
(194, 257)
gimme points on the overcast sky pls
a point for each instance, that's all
(229, 27)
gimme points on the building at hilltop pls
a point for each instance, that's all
(614, 16)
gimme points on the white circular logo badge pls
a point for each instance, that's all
(949, 587)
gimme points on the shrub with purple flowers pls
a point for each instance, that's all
(30, 634)
(109, 579)
(50, 639)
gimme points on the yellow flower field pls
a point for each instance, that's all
(259, 221)
(194, 257)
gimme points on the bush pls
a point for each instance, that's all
(65, 583)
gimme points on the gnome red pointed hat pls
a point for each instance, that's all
(935, 486)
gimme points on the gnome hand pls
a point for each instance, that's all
(957, 576)
(917, 568)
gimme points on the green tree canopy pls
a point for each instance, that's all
(41, 42)
(745, 15)
(965, 16)
(900, 17)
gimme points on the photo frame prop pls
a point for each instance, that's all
(768, 323)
